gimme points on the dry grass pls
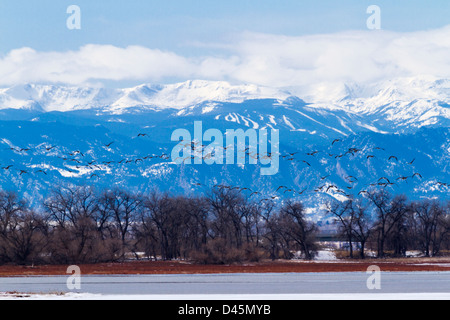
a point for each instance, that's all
(183, 267)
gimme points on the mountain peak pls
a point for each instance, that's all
(406, 98)
(178, 96)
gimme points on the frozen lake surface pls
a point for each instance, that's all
(267, 285)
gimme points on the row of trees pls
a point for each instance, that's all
(77, 225)
(392, 224)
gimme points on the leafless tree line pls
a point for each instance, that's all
(77, 225)
(392, 225)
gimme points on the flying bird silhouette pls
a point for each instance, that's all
(403, 179)
(335, 141)
(384, 178)
(417, 175)
(332, 186)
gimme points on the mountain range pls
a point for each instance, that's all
(335, 139)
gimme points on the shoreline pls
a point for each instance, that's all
(279, 266)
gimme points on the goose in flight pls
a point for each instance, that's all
(335, 141)
(417, 175)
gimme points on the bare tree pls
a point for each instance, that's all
(355, 224)
(300, 230)
(196, 224)
(75, 238)
(227, 210)
(27, 238)
(271, 234)
(363, 226)
(163, 212)
(431, 229)
(68, 205)
(23, 233)
(344, 216)
(121, 207)
(390, 212)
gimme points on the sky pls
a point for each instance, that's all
(267, 42)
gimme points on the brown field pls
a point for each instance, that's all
(180, 267)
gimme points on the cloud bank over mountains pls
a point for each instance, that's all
(263, 59)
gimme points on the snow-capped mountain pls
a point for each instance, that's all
(62, 98)
(52, 135)
(404, 102)
(400, 103)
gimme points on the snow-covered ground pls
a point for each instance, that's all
(325, 255)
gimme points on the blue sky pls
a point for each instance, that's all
(177, 24)
(267, 42)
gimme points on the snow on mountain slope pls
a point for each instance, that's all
(178, 96)
(413, 102)
(377, 93)
(401, 103)
(191, 93)
(54, 98)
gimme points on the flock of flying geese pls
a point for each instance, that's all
(77, 156)
(326, 188)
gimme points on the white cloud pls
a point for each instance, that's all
(344, 57)
(271, 60)
(91, 62)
